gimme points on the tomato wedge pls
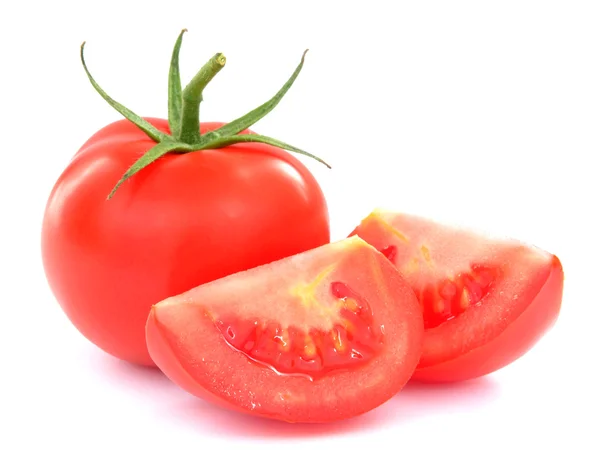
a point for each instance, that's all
(324, 335)
(486, 301)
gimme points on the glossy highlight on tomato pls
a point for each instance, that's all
(298, 340)
(486, 301)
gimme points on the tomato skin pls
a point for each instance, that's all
(166, 359)
(188, 347)
(512, 343)
(184, 220)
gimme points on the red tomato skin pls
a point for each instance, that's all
(169, 363)
(518, 338)
(185, 220)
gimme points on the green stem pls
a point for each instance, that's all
(150, 156)
(184, 116)
(238, 125)
(175, 88)
(144, 125)
(192, 97)
(231, 140)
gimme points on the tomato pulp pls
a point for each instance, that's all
(320, 336)
(184, 220)
(485, 301)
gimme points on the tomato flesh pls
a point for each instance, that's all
(474, 291)
(298, 339)
(313, 353)
(450, 296)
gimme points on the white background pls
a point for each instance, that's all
(481, 113)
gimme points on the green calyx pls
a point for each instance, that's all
(184, 116)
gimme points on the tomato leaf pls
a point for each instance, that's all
(225, 141)
(175, 88)
(244, 122)
(150, 156)
(145, 126)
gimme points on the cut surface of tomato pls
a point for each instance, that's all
(320, 336)
(476, 291)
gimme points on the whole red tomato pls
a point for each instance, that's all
(191, 209)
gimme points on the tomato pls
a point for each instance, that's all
(184, 220)
(149, 208)
(320, 336)
(486, 301)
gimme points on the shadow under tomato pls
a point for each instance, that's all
(229, 423)
(422, 399)
(416, 400)
(144, 380)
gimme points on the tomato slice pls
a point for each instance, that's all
(320, 336)
(486, 301)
